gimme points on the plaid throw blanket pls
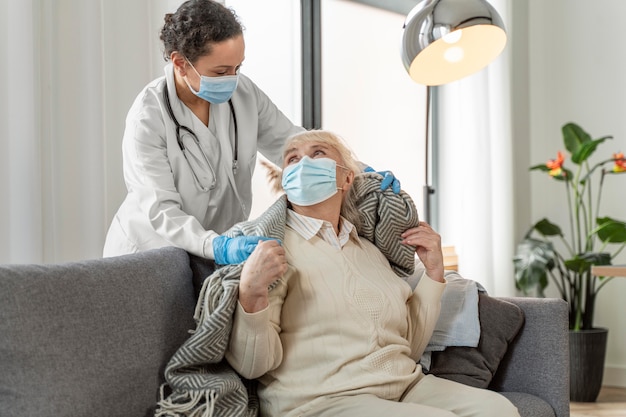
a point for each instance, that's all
(201, 381)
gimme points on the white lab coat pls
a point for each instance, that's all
(165, 206)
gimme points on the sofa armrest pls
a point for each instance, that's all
(537, 361)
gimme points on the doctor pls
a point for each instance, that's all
(191, 140)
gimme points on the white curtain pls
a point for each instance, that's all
(21, 145)
(475, 190)
(70, 71)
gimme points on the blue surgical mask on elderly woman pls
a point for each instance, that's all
(310, 181)
(215, 90)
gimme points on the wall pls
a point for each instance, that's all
(576, 73)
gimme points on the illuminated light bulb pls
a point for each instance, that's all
(454, 54)
(453, 37)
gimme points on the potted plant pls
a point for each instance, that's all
(550, 254)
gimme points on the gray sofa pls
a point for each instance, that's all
(92, 338)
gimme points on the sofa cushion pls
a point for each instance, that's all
(91, 338)
(529, 405)
(500, 321)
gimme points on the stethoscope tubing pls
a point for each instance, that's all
(183, 149)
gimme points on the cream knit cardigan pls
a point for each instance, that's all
(201, 382)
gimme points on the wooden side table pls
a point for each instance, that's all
(609, 270)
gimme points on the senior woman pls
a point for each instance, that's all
(325, 323)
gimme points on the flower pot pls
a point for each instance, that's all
(587, 352)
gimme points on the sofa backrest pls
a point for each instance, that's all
(92, 338)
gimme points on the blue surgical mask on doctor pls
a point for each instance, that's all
(215, 90)
(310, 181)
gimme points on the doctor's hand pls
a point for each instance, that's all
(388, 180)
(427, 244)
(234, 250)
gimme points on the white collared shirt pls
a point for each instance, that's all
(307, 227)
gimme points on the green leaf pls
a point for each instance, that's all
(611, 230)
(573, 137)
(587, 149)
(532, 261)
(547, 228)
(583, 262)
(579, 143)
(540, 167)
(564, 175)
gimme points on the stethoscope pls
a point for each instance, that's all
(183, 149)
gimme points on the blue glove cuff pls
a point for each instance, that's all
(234, 250)
(219, 250)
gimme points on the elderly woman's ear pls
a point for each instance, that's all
(348, 180)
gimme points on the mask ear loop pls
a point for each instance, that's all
(194, 68)
(187, 81)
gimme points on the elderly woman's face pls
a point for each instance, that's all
(308, 178)
(313, 150)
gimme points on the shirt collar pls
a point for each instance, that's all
(308, 227)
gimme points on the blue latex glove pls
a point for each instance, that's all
(388, 180)
(234, 250)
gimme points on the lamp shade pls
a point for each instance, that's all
(446, 40)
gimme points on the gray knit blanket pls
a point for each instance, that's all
(200, 381)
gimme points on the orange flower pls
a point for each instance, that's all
(620, 162)
(554, 165)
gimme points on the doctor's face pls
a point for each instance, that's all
(225, 58)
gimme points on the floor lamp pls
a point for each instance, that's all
(444, 41)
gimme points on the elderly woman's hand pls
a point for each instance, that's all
(427, 244)
(266, 264)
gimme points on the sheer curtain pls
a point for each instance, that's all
(20, 144)
(71, 70)
(475, 188)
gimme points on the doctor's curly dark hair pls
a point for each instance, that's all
(195, 26)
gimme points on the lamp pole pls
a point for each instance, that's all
(428, 190)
